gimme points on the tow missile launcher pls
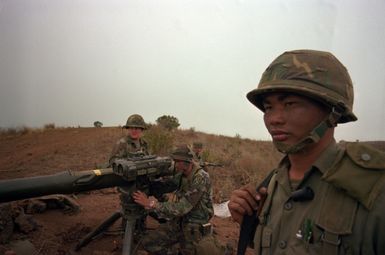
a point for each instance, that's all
(143, 172)
(123, 172)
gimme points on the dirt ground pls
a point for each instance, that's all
(56, 150)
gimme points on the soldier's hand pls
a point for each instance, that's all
(142, 199)
(244, 201)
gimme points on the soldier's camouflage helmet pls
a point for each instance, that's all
(135, 121)
(182, 152)
(316, 74)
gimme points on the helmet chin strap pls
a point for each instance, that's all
(314, 136)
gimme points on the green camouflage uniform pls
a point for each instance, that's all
(127, 148)
(192, 208)
(346, 215)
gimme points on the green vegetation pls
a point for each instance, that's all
(98, 124)
(160, 140)
(168, 122)
(49, 126)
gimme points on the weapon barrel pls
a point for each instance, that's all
(66, 182)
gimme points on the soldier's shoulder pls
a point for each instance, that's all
(365, 155)
(143, 141)
(359, 171)
(201, 175)
(203, 172)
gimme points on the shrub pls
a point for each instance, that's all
(16, 131)
(98, 124)
(160, 140)
(49, 126)
(168, 122)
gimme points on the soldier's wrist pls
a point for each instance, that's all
(152, 204)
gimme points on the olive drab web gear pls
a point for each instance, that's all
(182, 152)
(315, 74)
(135, 121)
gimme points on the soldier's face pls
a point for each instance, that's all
(183, 166)
(135, 133)
(290, 117)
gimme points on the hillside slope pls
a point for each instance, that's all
(48, 151)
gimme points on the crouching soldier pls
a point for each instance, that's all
(188, 214)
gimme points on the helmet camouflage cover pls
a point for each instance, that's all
(182, 152)
(315, 74)
(135, 121)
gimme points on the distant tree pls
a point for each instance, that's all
(168, 122)
(98, 124)
(49, 126)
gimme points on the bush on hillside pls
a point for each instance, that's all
(49, 126)
(168, 122)
(160, 140)
(98, 124)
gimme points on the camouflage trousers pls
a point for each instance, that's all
(188, 237)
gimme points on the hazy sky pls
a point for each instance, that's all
(74, 62)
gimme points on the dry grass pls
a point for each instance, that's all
(27, 152)
(23, 130)
(160, 140)
(49, 126)
(15, 131)
(243, 160)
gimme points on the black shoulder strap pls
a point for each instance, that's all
(250, 222)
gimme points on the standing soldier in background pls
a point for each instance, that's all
(197, 149)
(188, 214)
(130, 146)
(323, 198)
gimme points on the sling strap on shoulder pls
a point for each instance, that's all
(250, 222)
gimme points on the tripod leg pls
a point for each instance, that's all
(101, 228)
(128, 237)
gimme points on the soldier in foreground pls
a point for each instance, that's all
(324, 197)
(189, 214)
